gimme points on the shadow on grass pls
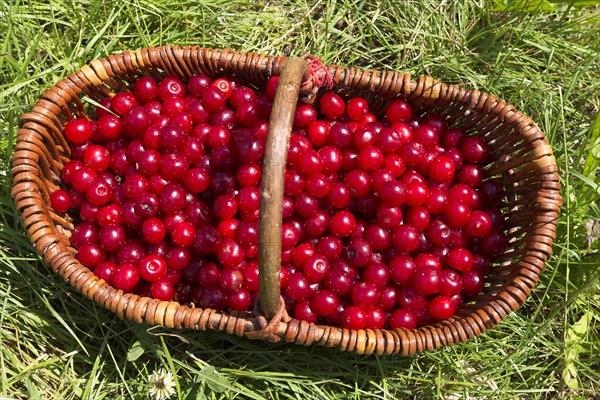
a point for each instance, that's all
(56, 319)
(94, 328)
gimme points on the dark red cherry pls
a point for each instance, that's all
(398, 111)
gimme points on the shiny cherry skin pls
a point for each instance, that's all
(78, 130)
(354, 317)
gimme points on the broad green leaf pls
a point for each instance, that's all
(573, 340)
(215, 380)
(579, 328)
(135, 351)
(569, 376)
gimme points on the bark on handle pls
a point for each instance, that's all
(272, 184)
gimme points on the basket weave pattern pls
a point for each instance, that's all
(522, 160)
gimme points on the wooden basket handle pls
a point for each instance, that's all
(272, 184)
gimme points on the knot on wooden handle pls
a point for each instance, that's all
(268, 328)
(317, 76)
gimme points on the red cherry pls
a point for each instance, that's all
(332, 105)
(427, 280)
(398, 110)
(376, 273)
(358, 252)
(410, 299)
(152, 267)
(304, 310)
(427, 260)
(364, 294)
(406, 238)
(170, 87)
(454, 137)
(441, 307)
(183, 234)
(357, 108)
(376, 318)
(224, 85)
(413, 153)
(390, 139)
(427, 135)
(145, 89)
(126, 277)
(78, 130)
(153, 230)
(479, 224)
(441, 169)
(495, 243)
(473, 282)
(354, 317)
(123, 102)
(304, 116)
(456, 213)
(403, 319)
(315, 268)
(297, 286)
(229, 253)
(370, 158)
(324, 303)
(471, 174)
(162, 290)
(98, 193)
(418, 217)
(417, 193)
(451, 282)
(339, 282)
(460, 259)
(91, 255)
(475, 149)
(330, 247)
(60, 200)
(197, 84)
(230, 280)
(105, 271)
(342, 223)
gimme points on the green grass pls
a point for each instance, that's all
(544, 58)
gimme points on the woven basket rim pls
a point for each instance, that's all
(41, 126)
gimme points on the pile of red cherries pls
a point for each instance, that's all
(387, 223)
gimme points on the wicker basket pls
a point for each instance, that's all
(521, 159)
